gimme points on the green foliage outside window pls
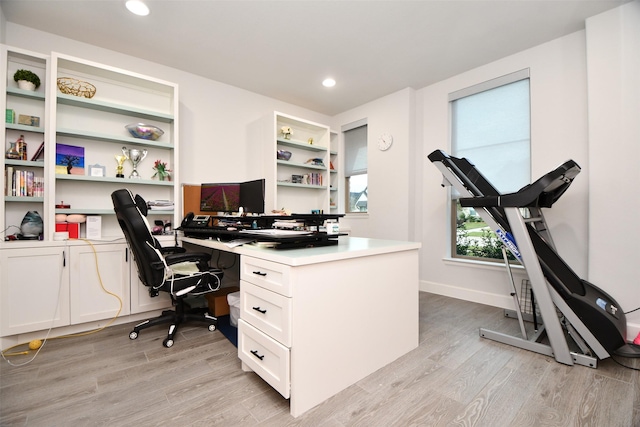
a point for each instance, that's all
(475, 239)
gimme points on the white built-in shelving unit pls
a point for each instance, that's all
(308, 141)
(97, 126)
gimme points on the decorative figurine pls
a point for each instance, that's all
(286, 132)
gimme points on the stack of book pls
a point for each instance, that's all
(23, 183)
(160, 205)
(315, 179)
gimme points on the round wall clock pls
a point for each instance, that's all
(384, 141)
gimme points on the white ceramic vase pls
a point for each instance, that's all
(26, 85)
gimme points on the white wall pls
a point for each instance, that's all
(390, 173)
(215, 118)
(558, 133)
(613, 49)
(3, 27)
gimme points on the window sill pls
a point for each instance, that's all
(489, 265)
(357, 215)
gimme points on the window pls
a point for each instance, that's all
(355, 143)
(490, 126)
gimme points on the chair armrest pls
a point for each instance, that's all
(199, 257)
(172, 250)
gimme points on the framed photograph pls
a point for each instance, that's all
(69, 160)
(96, 170)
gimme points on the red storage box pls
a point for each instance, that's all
(72, 228)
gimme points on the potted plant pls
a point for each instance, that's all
(161, 171)
(27, 79)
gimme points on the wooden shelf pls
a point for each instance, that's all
(110, 107)
(107, 211)
(113, 179)
(25, 199)
(301, 165)
(24, 163)
(24, 128)
(291, 184)
(25, 93)
(96, 136)
(301, 145)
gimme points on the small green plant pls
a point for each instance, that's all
(27, 75)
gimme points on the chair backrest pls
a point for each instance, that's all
(129, 212)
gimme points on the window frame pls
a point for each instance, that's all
(348, 173)
(488, 85)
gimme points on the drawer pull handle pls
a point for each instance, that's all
(255, 353)
(259, 273)
(260, 310)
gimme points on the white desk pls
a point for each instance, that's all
(332, 314)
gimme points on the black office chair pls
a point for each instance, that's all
(171, 270)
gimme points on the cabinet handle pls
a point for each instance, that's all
(259, 273)
(258, 309)
(255, 353)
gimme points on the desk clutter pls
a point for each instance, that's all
(240, 222)
(281, 232)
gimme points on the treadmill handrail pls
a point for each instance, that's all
(544, 192)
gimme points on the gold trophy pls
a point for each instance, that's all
(120, 159)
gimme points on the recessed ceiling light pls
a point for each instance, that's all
(137, 7)
(328, 82)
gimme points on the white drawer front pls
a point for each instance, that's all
(266, 274)
(267, 357)
(267, 311)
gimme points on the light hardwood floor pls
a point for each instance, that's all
(453, 378)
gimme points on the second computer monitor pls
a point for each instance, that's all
(252, 196)
(230, 197)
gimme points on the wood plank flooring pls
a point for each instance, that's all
(454, 378)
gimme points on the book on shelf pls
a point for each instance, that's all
(315, 179)
(23, 183)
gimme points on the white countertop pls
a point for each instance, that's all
(347, 247)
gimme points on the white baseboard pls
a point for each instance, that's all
(8, 341)
(495, 300)
(633, 329)
(466, 294)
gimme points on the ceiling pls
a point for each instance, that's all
(284, 49)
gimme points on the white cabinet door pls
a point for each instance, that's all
(140, 299)
(99, 282)
(34, 289)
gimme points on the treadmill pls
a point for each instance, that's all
(580, 322)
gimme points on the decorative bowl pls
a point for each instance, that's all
(71, 86)
(142, 131)
(283, 155)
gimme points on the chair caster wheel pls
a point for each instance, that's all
(167, 342)
(133, 335)
(212, 328)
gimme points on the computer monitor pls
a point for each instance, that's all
(220, 197)
(230, 197)
(252, 196)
